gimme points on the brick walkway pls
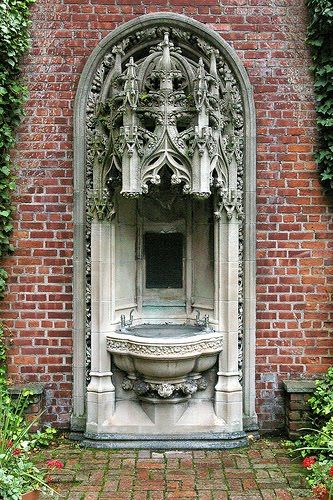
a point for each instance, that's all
(262, 471)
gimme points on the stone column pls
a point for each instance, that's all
(228, 391)
(78, 417)
(101, 391)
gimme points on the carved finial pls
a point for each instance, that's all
(213, 68)
(165, 65)
(200, 92)
(118, 51)
(101, 205)
(213, 73)
(166, 51)
(131, 84)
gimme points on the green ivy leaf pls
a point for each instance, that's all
(14, 41)
(319, 39)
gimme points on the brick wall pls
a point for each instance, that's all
(294, 221)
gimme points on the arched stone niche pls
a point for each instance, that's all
(164, 106)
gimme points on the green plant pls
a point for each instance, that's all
(42, 437)
(14, 42)
(12, 410)
(16, 481)
(316, 446)
(18, 473)
(3, 366)
(316, 441)
(320, 470)
(320, 40)
(321, 402)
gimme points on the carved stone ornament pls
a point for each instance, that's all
(125, 346)
(101, 205)
(165, 390)
(170, 101)
(228, 201)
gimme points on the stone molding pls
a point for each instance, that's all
(155, 350)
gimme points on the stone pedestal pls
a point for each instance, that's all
(297, 408)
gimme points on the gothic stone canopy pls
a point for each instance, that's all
(164, 98)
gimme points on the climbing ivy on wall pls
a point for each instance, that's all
(320, 39)
(14, 41)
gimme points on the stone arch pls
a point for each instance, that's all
(141, 25)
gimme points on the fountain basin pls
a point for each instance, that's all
(168, 355)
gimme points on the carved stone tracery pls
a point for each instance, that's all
(165, 105)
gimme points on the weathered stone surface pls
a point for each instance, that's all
(297, 393)
(299, 386)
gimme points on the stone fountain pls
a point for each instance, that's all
(165, 132)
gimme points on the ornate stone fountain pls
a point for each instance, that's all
(165, 138)
(165, 361)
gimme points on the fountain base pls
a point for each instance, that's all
(195, 441)
(164, 425)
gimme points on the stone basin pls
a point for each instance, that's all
(164, 354)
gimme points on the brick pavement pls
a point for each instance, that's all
(261, 471)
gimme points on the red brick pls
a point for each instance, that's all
(294, 233)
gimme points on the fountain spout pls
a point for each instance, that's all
(125, 324)
(202, 322)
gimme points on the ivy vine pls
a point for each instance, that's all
(14, 42)
(320, 40)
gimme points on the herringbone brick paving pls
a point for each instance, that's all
(262, 471)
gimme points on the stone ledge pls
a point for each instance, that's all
(299, 386)
(35, 409)
(36, 387)
(190, 441)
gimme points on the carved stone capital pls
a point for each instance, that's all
(101, 206)
(229, 201)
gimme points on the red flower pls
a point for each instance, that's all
(17, 451)
(320, 491)
(331, 471)
(55, 464)
(308, 461)
(48, 479)
(9, 444)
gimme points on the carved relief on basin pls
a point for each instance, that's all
(165, 361)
